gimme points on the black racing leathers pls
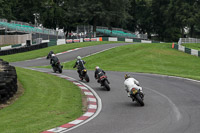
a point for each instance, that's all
(54, 60)
(98, 73)
(80, 66)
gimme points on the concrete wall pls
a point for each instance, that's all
(14, 39)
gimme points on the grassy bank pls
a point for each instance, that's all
(48, 101)
(192, 45)
(44, 52)
(145, 58)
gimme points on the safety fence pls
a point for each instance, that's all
(186, 50)
(188, 40)
(8, 81)
(23, 49)
(17, 48)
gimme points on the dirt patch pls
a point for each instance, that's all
(19, 93)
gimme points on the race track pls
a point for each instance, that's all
(172, 105)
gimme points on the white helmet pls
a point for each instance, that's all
(79, 58)
(97, 67)
(53, 55)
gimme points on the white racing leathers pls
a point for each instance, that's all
(131, 83)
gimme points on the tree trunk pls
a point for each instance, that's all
(94, 26)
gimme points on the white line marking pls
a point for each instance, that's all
(92, 106)
(88, 114)
(57, 129)
(88, 93)
(175, 108)
(75, 122)
(91, 99)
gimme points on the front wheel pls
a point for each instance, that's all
(87, 78)
(106, 85)
(54, 69)
(139, 99)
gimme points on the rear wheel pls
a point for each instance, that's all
(139, 99)
(60, 69)
(87, 78)
(106, 85)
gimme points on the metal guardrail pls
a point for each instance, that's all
(26, 27)
(188, 40)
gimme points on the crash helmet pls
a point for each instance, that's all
(78, 58)
(53, 55)
(126, 76)
(97, 67)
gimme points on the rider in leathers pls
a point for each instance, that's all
(80, 65)
(53, 60)
(98, 73)
(130, 83)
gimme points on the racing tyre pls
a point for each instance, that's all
(60, 70)
(107, 86)
(139, 99)
(87, 78)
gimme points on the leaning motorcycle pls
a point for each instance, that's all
(57, 67)
(104, 82)
(84, 75)
(137, 96)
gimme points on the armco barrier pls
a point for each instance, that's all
(186, 50)
(8, 81)
(23, 49)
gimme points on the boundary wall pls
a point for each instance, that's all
(186, 50)
(53, 42)
(14, 39)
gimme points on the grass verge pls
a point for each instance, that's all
(47, 102)
(192, 45)
(44, 52)
(145, 58)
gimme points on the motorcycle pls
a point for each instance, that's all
(104, 82)
(137, 96)
(84, 75)
(57, 67)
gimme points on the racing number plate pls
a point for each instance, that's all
(134, 91)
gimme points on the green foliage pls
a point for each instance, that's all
(165, 18)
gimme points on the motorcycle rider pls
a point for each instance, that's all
(130, 83)
(53, 60)
(98, 73)
(50, 54)
(80, 65)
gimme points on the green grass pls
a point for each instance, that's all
(44, 52)
(48, 102)
(145, 58)
(192, 45)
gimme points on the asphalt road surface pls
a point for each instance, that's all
(172, 105)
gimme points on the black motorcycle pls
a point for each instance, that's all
(83, 75)
(137, 96)
(104, 82)
(57, 67)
